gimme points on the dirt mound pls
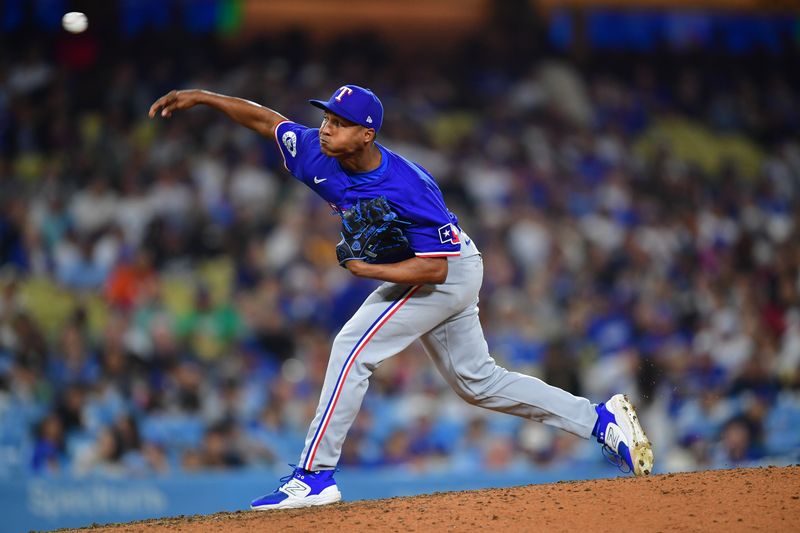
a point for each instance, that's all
(724, 500)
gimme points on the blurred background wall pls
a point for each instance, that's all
(168, 293)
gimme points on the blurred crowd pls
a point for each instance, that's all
(626, 250)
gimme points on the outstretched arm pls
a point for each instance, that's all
(249, 114)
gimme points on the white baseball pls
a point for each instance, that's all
(75, 22)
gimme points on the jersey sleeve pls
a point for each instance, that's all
(296, 143)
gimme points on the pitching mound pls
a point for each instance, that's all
(766, 499)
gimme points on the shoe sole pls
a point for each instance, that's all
(641, 449)
(325, 497)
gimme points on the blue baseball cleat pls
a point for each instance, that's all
(302, 488)
(622, 437)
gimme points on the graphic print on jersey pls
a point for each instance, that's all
(448, 233)
(290, 142)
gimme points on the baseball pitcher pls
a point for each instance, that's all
(396, 228)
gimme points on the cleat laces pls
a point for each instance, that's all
(615, 459)
(285, 479)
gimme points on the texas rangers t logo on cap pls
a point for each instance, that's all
(343, 91)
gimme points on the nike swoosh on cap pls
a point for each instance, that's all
(318, 181)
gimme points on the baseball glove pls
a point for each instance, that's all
(372, 233)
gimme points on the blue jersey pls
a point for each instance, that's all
(410, 190)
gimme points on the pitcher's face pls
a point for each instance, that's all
(338, 137)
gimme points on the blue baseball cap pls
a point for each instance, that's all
(356, 104)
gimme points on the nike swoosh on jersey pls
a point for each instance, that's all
(318, 181)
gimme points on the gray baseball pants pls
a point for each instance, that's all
(444, 318)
